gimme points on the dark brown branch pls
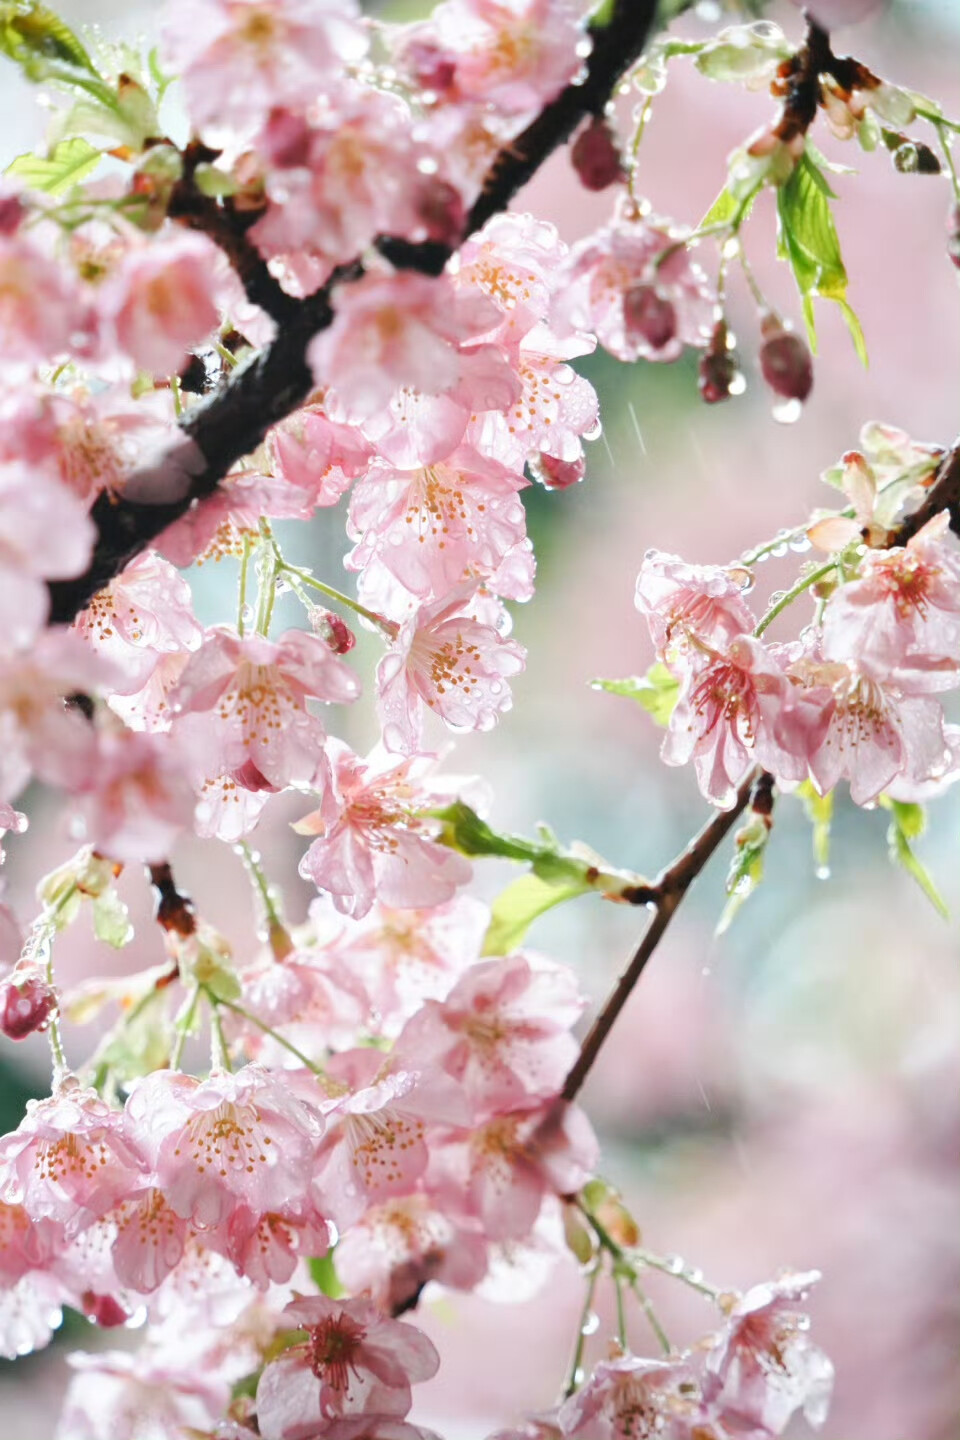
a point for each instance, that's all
(667, 892)
(174, 910)
(800, 83)
(944, 494)
(234, 421)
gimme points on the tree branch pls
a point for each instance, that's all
(277, 380)
(667, 892)
(944, 494)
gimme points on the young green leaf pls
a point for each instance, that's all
(746, 868)
(657, 691)
(807, 240)
(32, 32)
(69, 163)
(908, 822)
(516, 908)
(819, 811)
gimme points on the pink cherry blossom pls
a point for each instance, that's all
(870, 733)
(407, 956)
(453, 664)
(135, 800)
(630, 1398)
(637, 303)
(150, 1240)
(267, 1248)
(39, 733)
(230, 1141)
(690, 604)
(307, 997)
(116, 1393)
(435, 528)
(317, 454)
(231, 516)
(516, 56)
(355, 1361)
(159, 300)
(41, 313)
(738, 709)
(375, 1143)
(504, 1170)
(240, 58)
(253, 693)
(902, 615)
(764, 1367)
(68, 1160)
(391, 331)
(45, 534)
(147, 611)
(401, 1245)
(555, 410)
(503, 1032)
(371, 842)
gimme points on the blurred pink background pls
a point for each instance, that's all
(786, 1096)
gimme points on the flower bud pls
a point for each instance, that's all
(718, 367)
(595, 156)
(915, 158)
(26, 1002)
(440, 209)
(786, 363)
(555, 474)
(333, 629)
(953, 235)
(649, 316)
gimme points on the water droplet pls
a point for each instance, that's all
(583, 48)
(731, 248)
(673, 1264)
(579, 1375)
(823, 872)
(591, 1324)
(427, 165)
(800, 542)
(136, 1319)
(246, 614)
(737, 384)
(706, 972)
(594, 432)
(787, 412)
(695, 1276)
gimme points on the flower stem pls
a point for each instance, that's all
(948, 156)
(242, 585)
(305, 578)
(679, 1272)
(788, 597)
(576, 1364)
(651, 1315)
(184, 1026)
(618, 1281)
(266, 1029)
(219, 1049)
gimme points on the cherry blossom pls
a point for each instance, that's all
(253, 693)
(144, 613)
(455, 665)
(400, 1245)
(688, 605)
(240, 58)
(41, 313)
(630, 1398)
(33, 550)
(230, 1141)
(355, 1361)
(135, 799)
(159, 301)
(371, 841)
(503, 1032)
(764, 1367)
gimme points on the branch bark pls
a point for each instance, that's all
(273, 383)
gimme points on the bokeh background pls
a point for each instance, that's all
(786, 1095)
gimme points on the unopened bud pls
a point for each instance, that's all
(718, 367)
(915, 158)
(953, 235)
(440, 209)
(557, 474)
(285, 140)
(649, 316)
(786, 364)
(12, 213)
(331, 628)
(103, 1310)
(26, 1003)
(595, 156)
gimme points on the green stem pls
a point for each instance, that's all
(768, 546)
(576, 1364)
(948, 156)
(242, 587)
(274, 1035)
(177, 395)
(219, 1050)
(225, 355)
(184, 1025)
(270, 563)
(687, 1277)
(618, 1280)
(760, 299)
(271, 910)
(304, 576)
(730, 228)
(634, 161)
(651, 1315)
(788, 597)
(936, 119)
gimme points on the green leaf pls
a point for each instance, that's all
(323, 1273)
(819, 811)
(746, 868)
(657, 691)
(516, 908)
(111, 920)
(727, 207)
(807, 239)
(68, 163)
(33, 31)
(908, 822)
(463, 830)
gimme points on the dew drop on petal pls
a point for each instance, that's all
(787, 412)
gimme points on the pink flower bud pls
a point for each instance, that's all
(285, 140)
(439, 206)
(649, 316)
(718, 367)
(12, 212)
(786, 364)
(25, 1005)
(104, 1310)
(333, 629)
(595, 156)
(558, 474)
(953, 235)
